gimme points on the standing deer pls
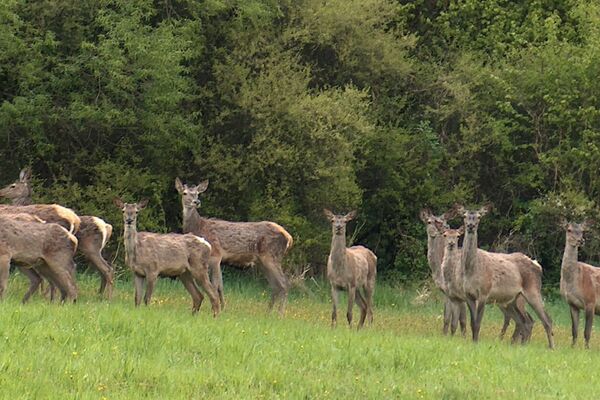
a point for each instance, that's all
(92, 232)
(239, 243)
(26, 240)
(579, 282)
(150, 255)
(499, 278)
(454, 310)
(352, 269)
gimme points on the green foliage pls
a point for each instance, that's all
(291, 106)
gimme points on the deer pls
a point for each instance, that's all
(499, 278)
(579, 282)
(92, 232)
(26, 240)
(454, 310)
(238, 243)
(350, 269)
(150, 255)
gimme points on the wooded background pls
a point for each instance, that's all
(291, 106)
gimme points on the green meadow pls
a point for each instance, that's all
(110, 350)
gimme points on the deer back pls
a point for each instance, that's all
(54, 213)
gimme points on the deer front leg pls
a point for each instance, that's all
(351, 298)
(334, 301)
(138, 283)
(217, 278)
(589, 322)
(574, 323)
(4, 270)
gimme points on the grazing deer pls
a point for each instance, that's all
(352, 269)
(499, 278)
(92, 232)
(26, 240)
(454, 310)
(238, 243)
(579, 282)
(150, 255)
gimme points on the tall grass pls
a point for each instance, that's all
(96, 349)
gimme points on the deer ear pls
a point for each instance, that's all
(25, 174)
(461, 230)
(563, 222)
(142, 204)
(328, 214)
(460, 209)
(587, 223)
(118, 202)
(424, 214)
(350, 216)
(439, 225)
(451, 213)
(202, 186)
(179, 185)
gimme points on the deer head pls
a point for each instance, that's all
(130, 210)
(451, 237)
(339, 221)
(472, 217)
(19, 189)
(189, 193)
(436, 224)
(575, 232)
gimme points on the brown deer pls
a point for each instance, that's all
(351, 269)
(499, 278)
(579, 282)
(27, 241)
(238, 243)
(92, 232)
(150, 255)
(455, 311)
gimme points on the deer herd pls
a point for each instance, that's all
(42, 239)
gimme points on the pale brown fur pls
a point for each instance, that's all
(352, 269)
(579, 282)
(499, 278)
(238, 243)
(92, 232)
(26, 241)
(150, 255)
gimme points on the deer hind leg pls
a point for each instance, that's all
(62, 278)
(589, 322)
(4, 271)
(214, 264)
(574, 323)
(138, 283)
(369, 289)
(361, 303)
(94, 258)
(150, 283)
(201, 276)
(351, 297)
(188, 282)
(277, 281)
(35, 281)
(533, 296)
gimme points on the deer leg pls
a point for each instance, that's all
(369, 289)
(150, 282)
(506, 323)
(217, 278)
(138, 282)
(201, 277)
(589, 322)
(534, 298)
(277, 281)
(106, 272)
(188, 282)
(574, 323)
(455, 314)
(4, 271)
(360, 302)
(334, 302)
(34, 281)
(62, 278)
(472, 304)
(351, 297)
(447, 316)
(527, 326)
(462, 318)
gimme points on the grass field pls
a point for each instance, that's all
(101, 350)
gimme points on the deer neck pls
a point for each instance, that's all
(130, 237)
(469, 253)
(22, 201)
(192, 219)
(338, 251)
(569, 262)
(435, 254)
